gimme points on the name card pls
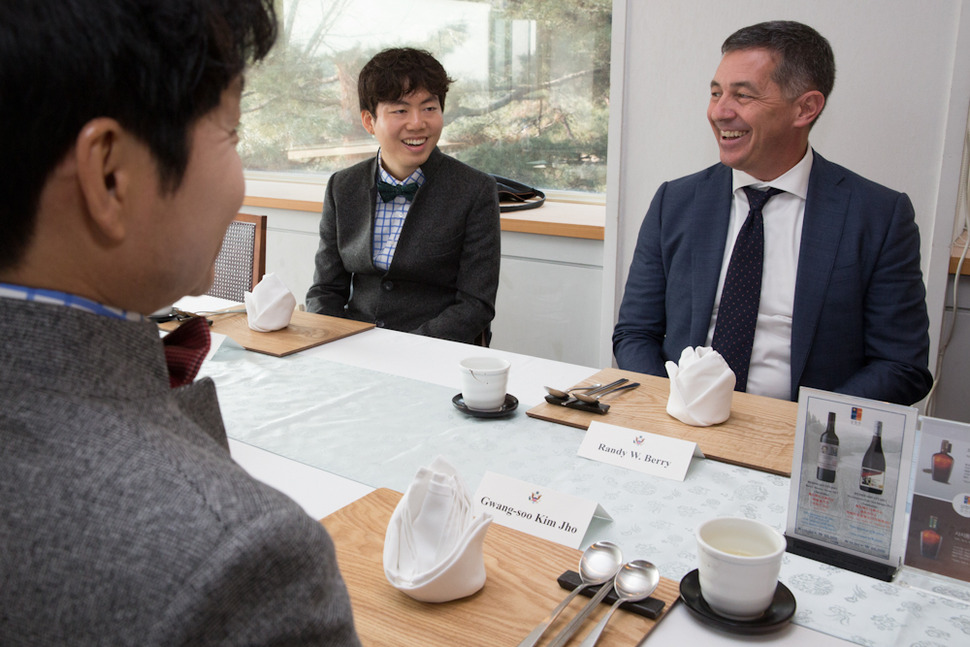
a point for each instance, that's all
(638, 450)
(536, 510)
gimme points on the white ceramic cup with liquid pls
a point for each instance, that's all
(738, 565)
(483, 382)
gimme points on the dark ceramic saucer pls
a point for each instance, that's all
(511, 402)
(777, 616)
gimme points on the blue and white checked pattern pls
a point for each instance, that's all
(389, 218)
(64, 299)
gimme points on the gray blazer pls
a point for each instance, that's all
(444, 275)
(124, 519)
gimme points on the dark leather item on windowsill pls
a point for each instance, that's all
(515, 196)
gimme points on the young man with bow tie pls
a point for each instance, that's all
(125, 519)
(409, 239)
(819, 286)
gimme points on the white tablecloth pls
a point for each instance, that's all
(374, 407)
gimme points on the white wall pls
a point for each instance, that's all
(897, 114)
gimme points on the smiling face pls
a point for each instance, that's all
(407, 130)
(758, 130)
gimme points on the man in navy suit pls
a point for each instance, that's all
(842, 302)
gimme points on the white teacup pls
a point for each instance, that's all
(738, 565)
(483, 382)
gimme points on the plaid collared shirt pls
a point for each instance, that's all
(24, 293)
(389, 217)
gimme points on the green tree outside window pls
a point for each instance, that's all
(530, 101)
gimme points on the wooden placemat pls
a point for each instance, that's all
(520, 589)
(306, 330)
(760, 433)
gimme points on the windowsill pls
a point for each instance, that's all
(556, 217)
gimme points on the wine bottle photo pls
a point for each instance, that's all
(828, 452)
(873, 476)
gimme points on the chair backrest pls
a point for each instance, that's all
(242, 260)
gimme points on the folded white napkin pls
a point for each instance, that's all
(433, 544)
(701, 387)
(270, 305)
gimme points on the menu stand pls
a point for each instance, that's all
(850, 477)
(854, 563)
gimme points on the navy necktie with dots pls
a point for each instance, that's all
(737, 313)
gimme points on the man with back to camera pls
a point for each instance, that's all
(841, 303)
(125, 520)
(410, 239)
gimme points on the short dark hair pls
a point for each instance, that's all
(804, 57)
(154, 66)
(397, 72)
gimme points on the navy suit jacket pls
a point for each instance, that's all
(859, 323)
(443, 278)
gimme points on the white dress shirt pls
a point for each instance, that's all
(770, 370)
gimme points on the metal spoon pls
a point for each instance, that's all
(565, 394)
(596, 388)
(598, 565)
(590, 399)
(635, 581)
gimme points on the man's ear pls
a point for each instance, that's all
(809, 106)
(367, 119)
(102, 174)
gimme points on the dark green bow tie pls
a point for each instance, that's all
(390, 191)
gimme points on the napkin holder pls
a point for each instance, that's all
(270, 305)
(441, 572)
(701, 387)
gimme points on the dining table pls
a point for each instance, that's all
(343, 427)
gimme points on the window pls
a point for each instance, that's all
(530, 99)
